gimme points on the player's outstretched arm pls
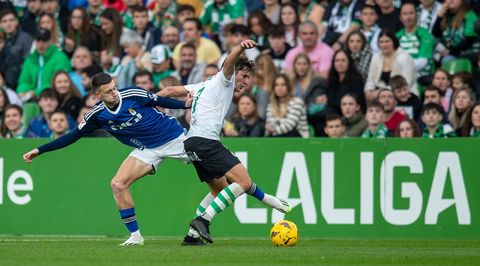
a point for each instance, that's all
(173, 91)
(229, 65)
(29, 156)
(59, 143)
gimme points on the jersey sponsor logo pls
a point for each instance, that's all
(135, 119)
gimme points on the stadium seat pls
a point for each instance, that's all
(30, 110)
(457, 65)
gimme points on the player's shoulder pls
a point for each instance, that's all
(97, 109)
(132, 92)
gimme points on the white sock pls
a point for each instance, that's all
(225, 198)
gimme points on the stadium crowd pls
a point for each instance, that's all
(346, 68)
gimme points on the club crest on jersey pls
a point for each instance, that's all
(132, 112)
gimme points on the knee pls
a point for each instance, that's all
(245, 184)
(117, 185)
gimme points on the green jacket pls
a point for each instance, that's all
(54, 60)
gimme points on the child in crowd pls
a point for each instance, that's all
(434, 128)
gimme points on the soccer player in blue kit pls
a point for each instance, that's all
(130, 116)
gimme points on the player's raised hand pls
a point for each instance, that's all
(188, 101)
(28, 157)
(248, 44)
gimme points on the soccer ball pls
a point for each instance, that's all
(284, 233)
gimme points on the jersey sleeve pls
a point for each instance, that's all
(87, 125)
(223, 80)
(146, 98)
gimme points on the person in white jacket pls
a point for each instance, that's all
(391, 61)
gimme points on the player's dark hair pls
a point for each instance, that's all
(243, 63)
(432, 106)
(99, 80)
(334, 116)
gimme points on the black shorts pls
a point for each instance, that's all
(210, 158)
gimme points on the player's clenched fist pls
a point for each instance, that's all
(28, 157)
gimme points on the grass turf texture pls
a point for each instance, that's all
(247, 251)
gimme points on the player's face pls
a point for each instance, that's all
(334, 128)
(476, 117)
(431, 118)
(405, 130)
(349, 107)
(58, 123)
(242, 80)
(108, 93)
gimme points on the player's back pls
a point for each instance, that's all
(134, 122)
(211, 101)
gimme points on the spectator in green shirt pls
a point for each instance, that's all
(40, 66)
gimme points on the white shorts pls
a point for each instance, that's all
(172, 149)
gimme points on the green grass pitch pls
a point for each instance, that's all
(247, 251)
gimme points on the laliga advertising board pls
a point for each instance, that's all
(339, 188)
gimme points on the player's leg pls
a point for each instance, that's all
(240, 183)
(130, 171)
(215, 186)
